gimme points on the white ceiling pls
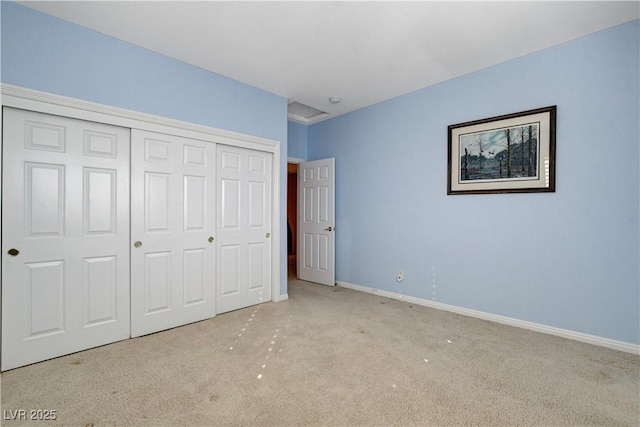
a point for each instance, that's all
(361, 52)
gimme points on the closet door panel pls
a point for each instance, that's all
(65, 246)
(244, 227)
(173, 231)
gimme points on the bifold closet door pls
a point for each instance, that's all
(244, 228)
(65, 246)
(172, 231)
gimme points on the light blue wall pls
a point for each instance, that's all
(568, 259)
(297, 140)
(44, 53)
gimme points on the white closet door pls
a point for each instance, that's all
(172, 231)
(244, 228)
(65, 224)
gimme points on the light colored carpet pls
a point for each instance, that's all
(333, 356)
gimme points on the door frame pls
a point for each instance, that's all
(29, 99)
(296, 161)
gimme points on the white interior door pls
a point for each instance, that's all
(244, 228)
(316, 221)
(172, 231)
(65, 225)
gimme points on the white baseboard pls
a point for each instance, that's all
(564, 333)
(281, 298)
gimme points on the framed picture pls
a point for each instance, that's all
(514, 153)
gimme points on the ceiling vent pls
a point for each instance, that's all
(304, 114)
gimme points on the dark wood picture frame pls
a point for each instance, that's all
(513, 153)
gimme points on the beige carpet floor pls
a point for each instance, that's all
(336, 357)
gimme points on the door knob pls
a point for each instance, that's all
(137, 244)
(211, 239)
(13, 252)
(329, 228)
(267, 235)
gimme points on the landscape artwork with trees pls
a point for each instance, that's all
(509, 153)
(505, 154)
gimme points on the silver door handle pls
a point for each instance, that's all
(137, 244)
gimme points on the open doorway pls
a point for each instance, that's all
(292, 219)
(311, 220)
